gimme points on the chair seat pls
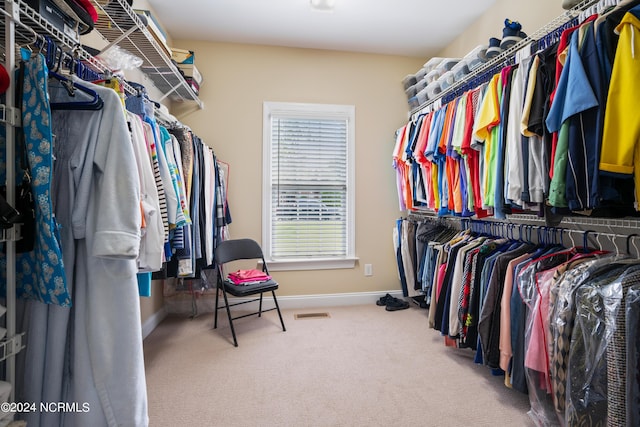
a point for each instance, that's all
(245, 290)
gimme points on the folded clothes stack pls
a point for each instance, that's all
(248, 277)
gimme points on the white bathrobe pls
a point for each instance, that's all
(96, 195)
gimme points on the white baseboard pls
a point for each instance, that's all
(206, 304)
(153, 321)
(332, 300)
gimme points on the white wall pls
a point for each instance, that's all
(239, 78)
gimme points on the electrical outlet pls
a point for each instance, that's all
(368, 270)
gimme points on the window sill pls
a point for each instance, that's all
(319, 264)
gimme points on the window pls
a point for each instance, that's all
(308, 176)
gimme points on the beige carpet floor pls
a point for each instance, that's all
(362, 366)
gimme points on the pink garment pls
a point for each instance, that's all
(505, 315)
(536, 356)
(398, 165)
(245, 276)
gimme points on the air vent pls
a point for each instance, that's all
(312, 316)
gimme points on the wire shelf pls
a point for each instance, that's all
(116, 19)
(505, 56)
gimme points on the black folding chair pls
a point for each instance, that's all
(239, 249)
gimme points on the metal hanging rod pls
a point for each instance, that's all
(524, 229)
(625, 223)
(631, 224)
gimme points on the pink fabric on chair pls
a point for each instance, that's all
(246, 276)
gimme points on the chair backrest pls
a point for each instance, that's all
(231, 250)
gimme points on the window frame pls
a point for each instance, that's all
(314, 111)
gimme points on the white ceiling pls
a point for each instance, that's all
(417, 28)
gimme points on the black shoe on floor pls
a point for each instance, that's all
(396, 304)
(421, 301)
(383, 300)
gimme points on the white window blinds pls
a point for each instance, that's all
(309, 184)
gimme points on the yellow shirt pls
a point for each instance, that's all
(485, 129)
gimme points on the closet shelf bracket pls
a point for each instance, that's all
(13, 11)
(10, 115)
(172, 90)
(11, 235)
(119, 39)
(11, 347)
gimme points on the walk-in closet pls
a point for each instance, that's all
(319, 213)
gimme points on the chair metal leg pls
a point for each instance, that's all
(226, 303)
(275, 300)
(215, 317)
(260, 308)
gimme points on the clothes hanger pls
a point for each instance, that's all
(53, 55)
(63, 58)
(520, 227)
(510, 231)
(573, 243)
(585, 240)
(630, 239)
(612, 237)
(598, 242)
(541, 236)
(550, 236)
(33, 42)
(93, 103)
(530, 233)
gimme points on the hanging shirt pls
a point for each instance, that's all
(499, 199)
(561, 57)
(513, 143)
(420, 156)
(169, 183)
(620, 149)
(468, 154)
(506, 350)
(486, 129)
(152, 236)
(399, 166)
(573, 95)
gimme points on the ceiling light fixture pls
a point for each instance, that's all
(323, 5)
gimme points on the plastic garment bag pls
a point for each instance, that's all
(537, 357)
(534, 286)
(561, 324)
(596, 303)
(632, 323)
